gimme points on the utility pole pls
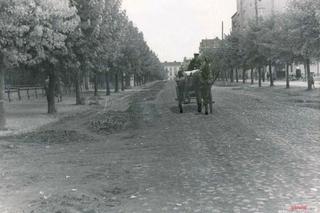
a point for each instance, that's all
(222, 34)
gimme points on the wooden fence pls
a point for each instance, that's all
(36, 91)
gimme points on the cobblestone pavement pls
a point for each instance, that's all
(251, 155)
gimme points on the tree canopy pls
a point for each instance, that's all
(290, 37)
(73, 41)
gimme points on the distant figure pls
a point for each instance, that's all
(312, 82)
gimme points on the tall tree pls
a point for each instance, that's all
(305, 31)
(53, 21)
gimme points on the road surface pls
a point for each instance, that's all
(257, 152)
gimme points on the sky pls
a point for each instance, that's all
(173, 29)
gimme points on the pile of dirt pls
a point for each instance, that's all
(111, 122)
(53, 136)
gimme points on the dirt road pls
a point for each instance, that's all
(256, 153)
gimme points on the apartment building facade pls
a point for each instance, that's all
(248, 10)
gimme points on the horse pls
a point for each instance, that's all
(198, 82)
(202, 88)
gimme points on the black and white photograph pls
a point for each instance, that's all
(159, 106)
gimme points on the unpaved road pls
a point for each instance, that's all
(255, 153)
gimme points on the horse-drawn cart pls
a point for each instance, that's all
(191, 85)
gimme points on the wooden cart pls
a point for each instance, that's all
(190, 87)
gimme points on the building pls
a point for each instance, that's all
(235, 21)
(207, 44)
(172, 69)
(248, 10)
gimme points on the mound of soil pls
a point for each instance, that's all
(111, 122)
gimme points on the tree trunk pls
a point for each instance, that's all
(58, 89)
(271, 74)
(2, 86)
(86, 81)
(122, 81)
(106, 77)
(237, 75)
(79, 99)
(51, 92)
(287, 76)
(252, 79)
(145, 79)
(231, 75)
(263, 75)
(116, 82)
(260, 76)
(95, 83)
(305, 70)
(226, 77)
(308, 74)
(127, 79)
(244, 76)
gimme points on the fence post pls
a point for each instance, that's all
(19, 94)
(28, 94)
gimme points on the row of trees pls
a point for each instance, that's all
(70, 40)
(282, 39)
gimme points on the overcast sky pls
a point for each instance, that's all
(174, 28)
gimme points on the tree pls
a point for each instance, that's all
(90, 13)
(111, 37)
(72, 38)
(265, 40)
(215, 58)
(304, 31)
(250, 46)
(52, 22)
(233, 57)
(283, 43)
